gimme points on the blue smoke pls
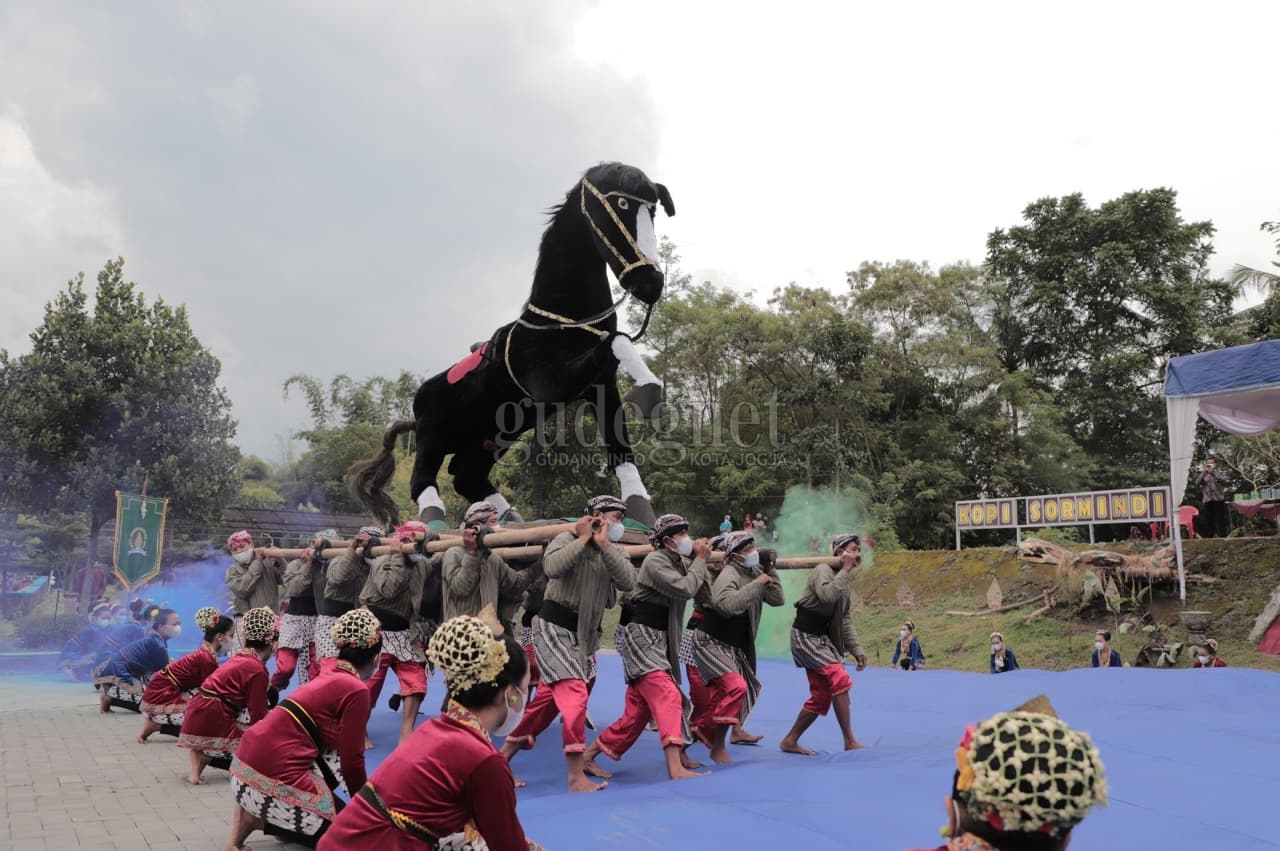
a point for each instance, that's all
(189, 587)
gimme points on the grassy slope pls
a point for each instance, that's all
(1247, 569)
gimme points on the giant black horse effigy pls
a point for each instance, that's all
(564, 347)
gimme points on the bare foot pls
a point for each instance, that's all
(685, 774)
(745, 738)
(582, 784)
(368, 743)
(196, 780)
(720, 756)
(688, 763)
(590, 766)
(142, 740)
(791, 746)
(853, 745)
(104, 703)
(520, 784)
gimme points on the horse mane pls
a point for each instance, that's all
(369, 477)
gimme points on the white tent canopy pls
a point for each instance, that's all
(1236, 389)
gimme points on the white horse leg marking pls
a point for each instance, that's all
(430, 498)
(629, 480)
(631, 362)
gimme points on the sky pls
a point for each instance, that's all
(360, 188)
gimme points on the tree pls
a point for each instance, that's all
(347, 422)
(1259, 279)
(110, 396)
(1092, 303)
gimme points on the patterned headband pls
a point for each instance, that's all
(373, 531)
(241, 537)
(666, 526)
(839, 542)
(466, 650)
(207, 617)
(604, 503)
(1026, 771)
(478, 511)
(409, 528)
(735, 541)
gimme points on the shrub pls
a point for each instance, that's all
(44, 632)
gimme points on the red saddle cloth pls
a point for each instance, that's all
(460, 369)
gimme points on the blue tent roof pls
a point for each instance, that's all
(1235, 370)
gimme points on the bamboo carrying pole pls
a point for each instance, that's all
(521, 546)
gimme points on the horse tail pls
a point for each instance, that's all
(367, 478)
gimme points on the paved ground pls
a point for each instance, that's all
(74, 778)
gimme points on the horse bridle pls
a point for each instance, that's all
(563, 323)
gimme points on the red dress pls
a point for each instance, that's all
(447, 778)
(278, 758)
(231, 699)
(169, 690)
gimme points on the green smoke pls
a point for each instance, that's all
(809, 519)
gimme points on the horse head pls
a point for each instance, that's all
(618, 202)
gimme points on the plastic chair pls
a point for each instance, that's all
(1187, 515)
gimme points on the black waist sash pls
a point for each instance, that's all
(335, 608)
(303, 604)
(235, 710)
(734, 631)
(391, 622)
(695, 620)
(560, 615)
(308, 724)
(811, 622)
(399, 821)
(653, 615)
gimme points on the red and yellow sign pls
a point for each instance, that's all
(987, 514)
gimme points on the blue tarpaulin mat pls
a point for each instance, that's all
(1192, 757)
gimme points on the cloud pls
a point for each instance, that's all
(329, 188)
(52, 228)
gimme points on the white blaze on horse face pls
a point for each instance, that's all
(629, 481)
(430, 498)
(645, 236)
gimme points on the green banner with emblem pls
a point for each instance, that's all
(139, 538)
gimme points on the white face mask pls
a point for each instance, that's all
(104, 624)
(175, 631)
(416, 558)
(513, 719)
(902, 633)
(1204, 661)
(684, 546)
(995, 648)
(371, 561)
(615, 532)
(244, 556)
(751, 560)
(1098, 645)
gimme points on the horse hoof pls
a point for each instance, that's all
(646, 398)
(433, 517)
(639, 508)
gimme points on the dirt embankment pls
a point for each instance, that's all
(1241, 572)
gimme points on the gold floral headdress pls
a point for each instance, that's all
(357, 628)
(206, 617)
(469, 653)
(1028, 771)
